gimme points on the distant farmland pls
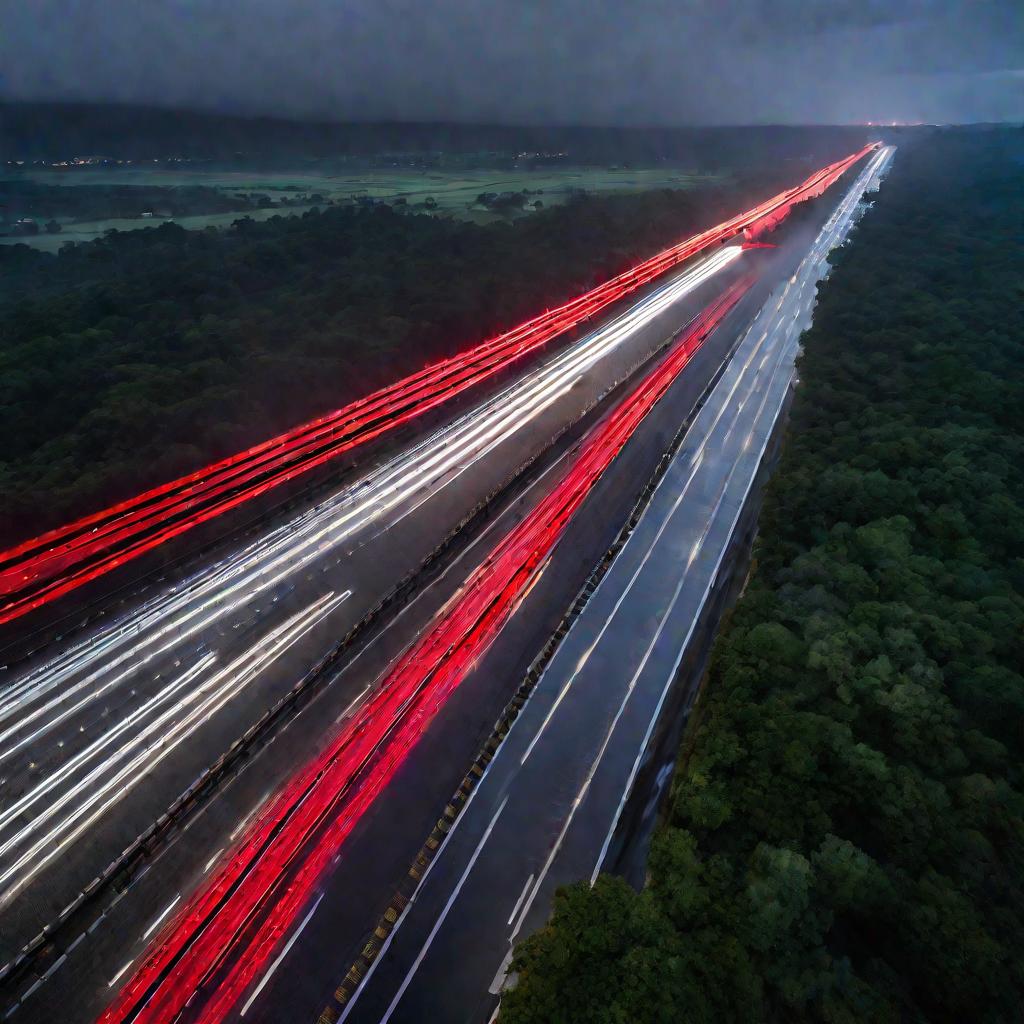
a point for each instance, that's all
(454, 193)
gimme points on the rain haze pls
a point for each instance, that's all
(556, 61)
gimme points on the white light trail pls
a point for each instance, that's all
(290, 549)
(105, 782)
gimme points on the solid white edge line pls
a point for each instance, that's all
(364, 981)
(713, 578)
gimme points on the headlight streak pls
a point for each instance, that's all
(229, 586)
(55, 693)
(155, 999)
(425, 663)
(785, 343)
(108, 780)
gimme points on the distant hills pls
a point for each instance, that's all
(59, 131)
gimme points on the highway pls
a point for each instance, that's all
(108, 952)
(545, 812)
(97, 740)
(99, 734)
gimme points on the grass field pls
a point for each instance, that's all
(86, 230)
(454, 193)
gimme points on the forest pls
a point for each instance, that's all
(146, 354)
(844, 837)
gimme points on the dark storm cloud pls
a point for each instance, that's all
(594, 61)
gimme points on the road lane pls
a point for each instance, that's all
(222, 939)
(289, 610)
(115, 939)
(546, 809)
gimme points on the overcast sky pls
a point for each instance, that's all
(532, 61)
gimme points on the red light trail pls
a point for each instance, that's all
(39, 570)
(226, 934)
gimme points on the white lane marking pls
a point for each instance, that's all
(522, 405)
(696, 461)
(444, 913)
(464, 816)
(670, 295)
(584, 789)
(156, 924)
(55, 966)
(679, 657)
(678, 661)
(277, 963)
(781, 354)
(490, 528)
(522, 896)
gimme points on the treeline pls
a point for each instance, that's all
(844, 839)
(145, 354)
(54, 131)
(22, 197)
